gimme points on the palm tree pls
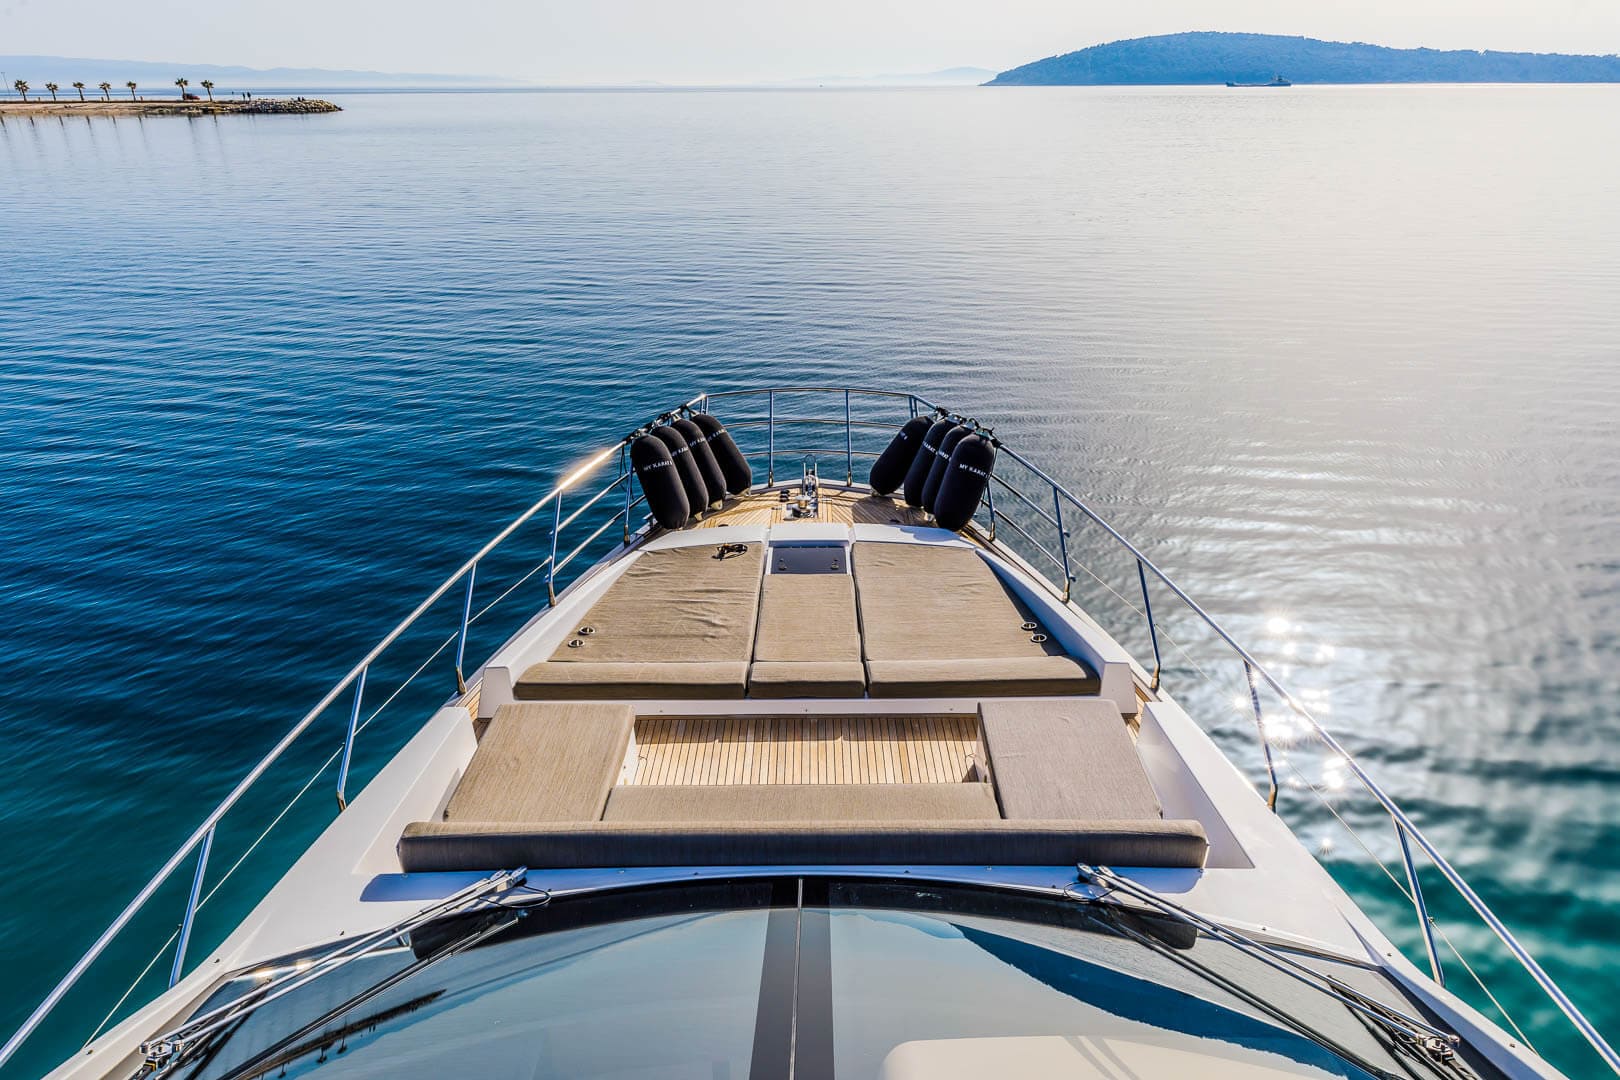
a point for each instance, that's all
(21, 88)
(208, 85)
(52, 87)
(106, 95)
(182, 84)
(79, 86)
(131, 85)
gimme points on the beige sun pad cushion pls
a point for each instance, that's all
(679, 623)
(803, 802)
(936, 621)
(551, 762)
(1065, 759)
(808, 643)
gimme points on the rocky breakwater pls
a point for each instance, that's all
(254, 105)
(115, 108)
(284, 105)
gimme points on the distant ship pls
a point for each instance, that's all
(1277, 81)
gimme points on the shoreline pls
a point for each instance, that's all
(116, 108)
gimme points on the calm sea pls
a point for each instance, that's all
(1347, 360)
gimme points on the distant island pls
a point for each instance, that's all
(1210, 57)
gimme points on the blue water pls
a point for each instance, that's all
(1346, 359)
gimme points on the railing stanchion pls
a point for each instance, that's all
(1265, 743)
(849, 446)
(630, 484)
(551, 563)
(1422, 908)
(191, 910)
(348, 742)
(461, 641)
(770, 413)
(1063, 543)
(1153, 631)
(990, 503)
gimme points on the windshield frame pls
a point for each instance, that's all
(787, 896)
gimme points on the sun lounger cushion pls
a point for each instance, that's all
(676, 605)
(807, 618)
(1070, 759)
(936, 621)
(679, 623)
(554, 762)
(808, 643)
(807, 680)
(644, 681)
(802, 802)
(446, 846)
(1030, 675)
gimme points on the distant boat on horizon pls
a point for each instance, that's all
(1277, 81)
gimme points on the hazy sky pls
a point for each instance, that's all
(729, 41)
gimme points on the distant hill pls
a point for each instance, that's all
(1211, 57)
(957, 76)
(39, 70)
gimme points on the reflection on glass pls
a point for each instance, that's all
(669, 996)
(916, 995)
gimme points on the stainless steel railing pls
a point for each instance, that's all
(844, 427)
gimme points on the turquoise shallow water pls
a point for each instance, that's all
(1347, 360)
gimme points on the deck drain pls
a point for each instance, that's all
(574, 643)
(1030, 626)
(1037, 638)
(586, 631)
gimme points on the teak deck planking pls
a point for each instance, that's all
(834, 507)
(806, 750)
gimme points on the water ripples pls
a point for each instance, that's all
(1344, 358)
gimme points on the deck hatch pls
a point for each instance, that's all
(809, 559)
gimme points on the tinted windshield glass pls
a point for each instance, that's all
(796, 978)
